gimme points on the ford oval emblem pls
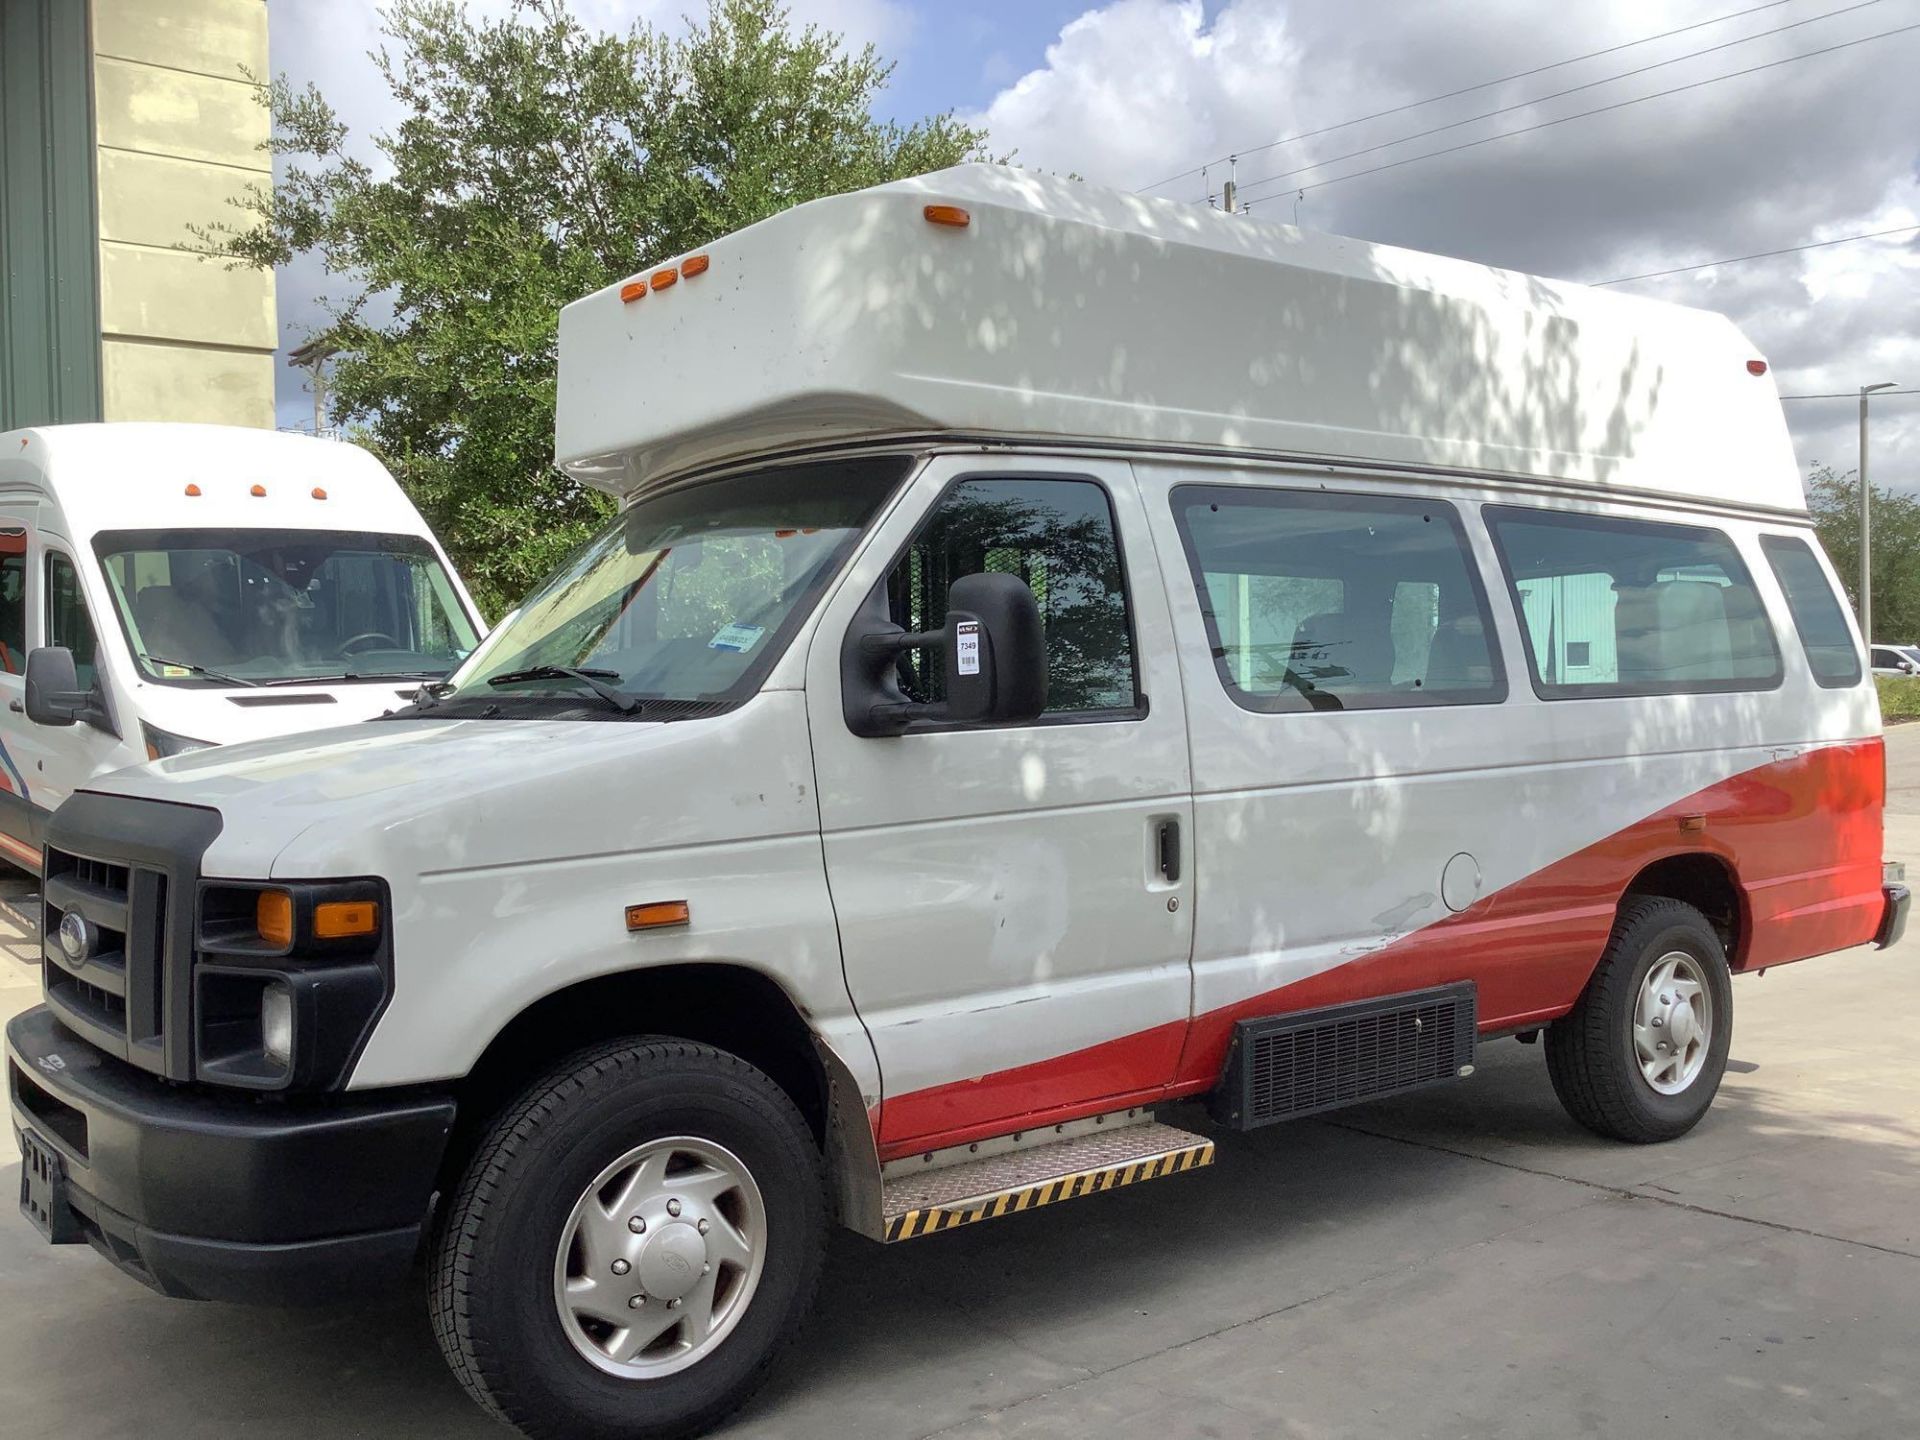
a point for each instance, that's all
(76, 937)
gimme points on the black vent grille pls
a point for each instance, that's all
(1284, 1066)
(111, 994)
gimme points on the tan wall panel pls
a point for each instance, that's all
(175, 382)
(212, 37)
(165, 112)
(151, 199)
(177, 295)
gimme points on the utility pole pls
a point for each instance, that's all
(1230, 192)
(1866, 519)
(313, 357)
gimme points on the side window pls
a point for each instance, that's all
(13, 600)
(68, 623)
(1337, 602)
(1058, 536)
(1632, 607)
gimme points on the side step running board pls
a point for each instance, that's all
(918, 1204)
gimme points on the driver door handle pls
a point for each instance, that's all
(1167, 849)
(16, 707)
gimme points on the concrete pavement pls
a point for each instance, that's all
(1461, 1263)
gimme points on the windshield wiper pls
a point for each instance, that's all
(594, 680)
(340, 675)
(200, 670)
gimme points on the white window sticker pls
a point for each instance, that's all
(966, 637)
(736, 637)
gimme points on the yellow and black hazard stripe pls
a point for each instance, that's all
(915, 1223)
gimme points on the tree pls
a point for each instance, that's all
(1834, 499)
(538, 161)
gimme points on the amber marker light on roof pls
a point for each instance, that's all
(693, 265)
(318, 493)
(1756, 367)
(633, 290)
(658, 915)
(661, 279)
(948, 215)
(193, 489)
(258, 490)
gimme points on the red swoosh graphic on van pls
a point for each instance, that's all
(1803, 836)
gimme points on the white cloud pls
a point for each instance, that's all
(1137, 90)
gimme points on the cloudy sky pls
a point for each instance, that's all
(1132, 92)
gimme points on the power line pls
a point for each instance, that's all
(1760, 255)
(1469, 89)
(1849, 395)
(1557, 94)
(1598, 110)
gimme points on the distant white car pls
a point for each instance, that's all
(1896, 659)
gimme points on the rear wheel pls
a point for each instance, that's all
(634, 1244)
(1640, 1057)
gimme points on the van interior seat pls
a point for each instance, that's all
(177, 629)
(1458, 657)
(1673, 630)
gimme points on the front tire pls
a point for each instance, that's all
(1640, 1056)
(634, 1244)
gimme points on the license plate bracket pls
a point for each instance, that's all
(43, 1191)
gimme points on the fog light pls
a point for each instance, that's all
(276, 1023)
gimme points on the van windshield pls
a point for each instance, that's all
(283, 607)
(689, 595)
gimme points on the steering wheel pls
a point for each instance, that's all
(352, 645)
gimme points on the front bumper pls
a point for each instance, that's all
(227, 1197)
(1893, 920)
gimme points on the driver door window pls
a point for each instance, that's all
(68, 622)
(1058, 536)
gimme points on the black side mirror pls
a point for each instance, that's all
(993, 651)
(54, 696)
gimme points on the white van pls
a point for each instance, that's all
(1059, 653)
(206, 584)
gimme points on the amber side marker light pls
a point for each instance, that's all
(343, 919)
(258, 490)
(1756, 367)
(658, 915)
(694, 265)
(273, 917)
(318, 493)
(633, 290)
(661, 279)
(948, 215)
(193, 489)
(1692, 824)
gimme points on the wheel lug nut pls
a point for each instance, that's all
(673, 1304)
(706, 1269)
(1656, 1022)
(620, 1267)
(703, 1227)
(673, 1207)
(1666, 999)
(637, 1302)
(638, 1224)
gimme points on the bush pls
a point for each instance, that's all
(1899, 697)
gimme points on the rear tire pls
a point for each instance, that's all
(1640, 1056)
(716, 1167)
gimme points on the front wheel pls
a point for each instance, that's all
(1640, 1056)
(634, 1243)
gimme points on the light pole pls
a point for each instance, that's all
(1866, 519)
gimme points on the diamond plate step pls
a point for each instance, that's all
(945, 1199)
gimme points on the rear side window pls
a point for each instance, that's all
(13, 601)
(1337, 602)
(1633, 607)
(1817, 616)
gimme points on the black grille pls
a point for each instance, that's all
(119, 864)
(1284, 1066)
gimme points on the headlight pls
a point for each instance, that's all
(162, 743)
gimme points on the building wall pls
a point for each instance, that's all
(49, 316)
(179, 130)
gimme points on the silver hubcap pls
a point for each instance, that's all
(660, 1257)
(1673, 1023)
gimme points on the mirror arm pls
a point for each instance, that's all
(884, 645)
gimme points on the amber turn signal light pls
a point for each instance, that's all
(658, 914)
(273, 917)
(343, 919)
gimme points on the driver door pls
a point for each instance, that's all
(1014, 912)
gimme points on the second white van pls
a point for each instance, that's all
(193, 585)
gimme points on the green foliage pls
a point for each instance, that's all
(538, 161)
(1834, 499)
(1899, 697)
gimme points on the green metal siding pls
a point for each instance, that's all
(50, 309)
